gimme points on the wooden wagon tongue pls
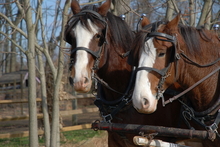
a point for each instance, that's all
(161, 131)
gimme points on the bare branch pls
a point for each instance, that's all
(129, 9)
(91, 3)
(8, 3)
(12, 25)
(177, 10)
(6, 35)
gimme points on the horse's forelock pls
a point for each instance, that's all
(137, 46)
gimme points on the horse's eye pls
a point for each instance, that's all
(161, 54)
(98, 36)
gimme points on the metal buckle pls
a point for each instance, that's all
(126, 101)
(107, 118)
(212, 127)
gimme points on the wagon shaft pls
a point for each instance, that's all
(162, 131)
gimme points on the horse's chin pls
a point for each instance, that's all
(82, 87)
(146, 111)
(146, 108)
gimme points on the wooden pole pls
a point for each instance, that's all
(21, 84)
(74, 117)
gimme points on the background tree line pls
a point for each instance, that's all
(31, 36)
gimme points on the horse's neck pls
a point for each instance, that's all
(116, 73)
(205, 94)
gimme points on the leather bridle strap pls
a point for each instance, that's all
(169, 38)
(95, 54)
(160, 72)
(199, 65)
(191, 87)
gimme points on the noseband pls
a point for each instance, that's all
(96, 54)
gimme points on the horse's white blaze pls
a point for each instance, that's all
(142, 90)
(83, 38)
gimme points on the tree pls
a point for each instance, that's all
(205, 18)
(34, 22)
(170, 10)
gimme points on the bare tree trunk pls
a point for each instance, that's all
(46, 121)
(55, 137)
(13, 47)
(205, 18)
(170, 10)
(121, 7)
(192, 20)
(44, 100)
(33, 133)
(7, 43)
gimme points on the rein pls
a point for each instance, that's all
(191, 87)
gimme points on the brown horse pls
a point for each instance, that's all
(171, 53)
(100, 44)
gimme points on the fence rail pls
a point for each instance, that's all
(13, 134)
(41, 132)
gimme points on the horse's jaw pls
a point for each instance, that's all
(83, 86)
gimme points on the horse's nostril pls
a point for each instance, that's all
(145, 101)
(71, 80)
(86, 80)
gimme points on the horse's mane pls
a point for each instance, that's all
(191, 36)
(119, 32)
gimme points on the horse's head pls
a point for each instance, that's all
(86, 32)
(153, 54)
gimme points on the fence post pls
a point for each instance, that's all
(74, 107)
(21, 86)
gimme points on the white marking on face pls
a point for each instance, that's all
(83, 38)
(142, 88)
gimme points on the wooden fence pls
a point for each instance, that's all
(40, 116)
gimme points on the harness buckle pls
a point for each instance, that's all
(107, 118)
(126, 100)
(177, 56)
(212, 127)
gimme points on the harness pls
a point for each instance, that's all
(188, 113)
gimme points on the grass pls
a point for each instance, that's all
(80, 135)
(72, 137)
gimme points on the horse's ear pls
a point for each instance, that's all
(145, 21)
(103, 9)
(75, 7)
(173, 24)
